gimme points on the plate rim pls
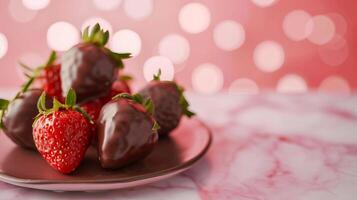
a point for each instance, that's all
(184, 166)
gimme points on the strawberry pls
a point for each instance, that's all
(126, 131)
(17, 117)
(49, 74)
(169, 101)
(62, 134)
(90, 68)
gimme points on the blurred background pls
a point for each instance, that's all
(242, 46)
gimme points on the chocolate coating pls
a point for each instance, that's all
(89, 70)
(166, 99)
(125, 134)
(19, 117)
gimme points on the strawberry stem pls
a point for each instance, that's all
(99, 37)
(147, 103)
(70, 103)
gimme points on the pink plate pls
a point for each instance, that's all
(185, 146)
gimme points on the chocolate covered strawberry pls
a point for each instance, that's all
(126, 131)
(18, 115)
(169, 101)
(90, 68)
(62, 134)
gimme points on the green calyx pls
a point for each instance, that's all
(32, 74)
(96, 36)
(137, 98)
(3, 107)
(184, 103)
(156, 77)
(99, 37)
(70, 103)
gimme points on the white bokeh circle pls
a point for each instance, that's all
(104, 24)
(156, 63)
(138, 9)
(20, 13)
(335, 84)
(126, 41)
(229, 35)
(194, 17)
(269, 56)
(106, 4)
(264, 3)
(207, 78)
(243, 86)
(175, 47)
(3, 45)
(323, 29)
(335, 52)
(295, 25)
(35, 4)
(62, 35)
(292, 83)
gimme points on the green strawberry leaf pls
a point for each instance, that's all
(184, 103)
(4, 104)
(125, 78)
(51, 59)
(155, 127)
(41, 103)
(71, 98)
(149, 106)
(157, 76)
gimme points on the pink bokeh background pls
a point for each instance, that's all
(243, 46)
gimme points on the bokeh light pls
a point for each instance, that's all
(335, 84)
(207, 79)
(156, 63)
(126, 41)
(194, 17)
(264, 3)
(295, 25)
(269, 56)
(3, 45)
(292, 83)
(340, 23)
(62, 35)
(104, 24)
(138, 9)
(19, 12)
(243, 86)
(106, 4)
(323, 29)
(35, 4)
(175, 47)
(229, 35)
(335, 52)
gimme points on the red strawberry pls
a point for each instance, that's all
(170, 103)
(49, 75)
(52, 84)
(62, 134)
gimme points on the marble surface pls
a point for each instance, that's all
(266, 147)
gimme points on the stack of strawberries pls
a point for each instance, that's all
(85, 99)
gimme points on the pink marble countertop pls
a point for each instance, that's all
(266, 147)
